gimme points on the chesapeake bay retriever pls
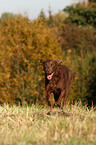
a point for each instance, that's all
(58, 80)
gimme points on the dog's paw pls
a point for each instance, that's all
(56, 105)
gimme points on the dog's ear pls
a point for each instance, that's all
(41, 60)
(58, 61)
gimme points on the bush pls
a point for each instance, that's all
(77, 39)
(22, 43)
(84, 82)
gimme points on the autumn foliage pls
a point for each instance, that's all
(22, 43)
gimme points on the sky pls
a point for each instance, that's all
(32, 7)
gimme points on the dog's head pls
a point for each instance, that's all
(50, 67)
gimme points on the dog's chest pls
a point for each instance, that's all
(53, 83)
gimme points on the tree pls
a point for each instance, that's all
(92, 1)
(81, 14)
(50, 18)
(59, 18)
(42, 15)
(77, 39)
(7, 15)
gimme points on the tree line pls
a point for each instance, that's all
(69, 35)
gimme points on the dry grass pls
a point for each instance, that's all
(37, 125)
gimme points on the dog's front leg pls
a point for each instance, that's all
(57, 104)
(47, 98)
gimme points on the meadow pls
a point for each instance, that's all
(39, 125)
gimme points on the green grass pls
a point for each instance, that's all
(37, 125)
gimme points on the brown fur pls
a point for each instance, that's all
(60, 80)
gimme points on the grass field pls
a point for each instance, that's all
(37, 125)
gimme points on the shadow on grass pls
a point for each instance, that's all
(58, 113)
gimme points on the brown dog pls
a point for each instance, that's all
(58, 80)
